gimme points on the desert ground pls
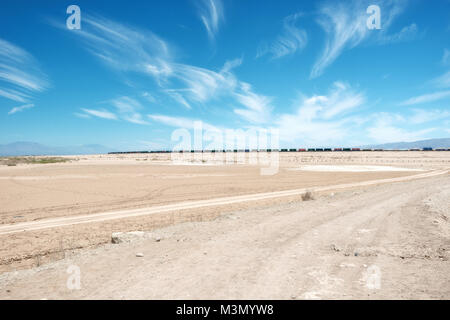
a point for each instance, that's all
(327, 225)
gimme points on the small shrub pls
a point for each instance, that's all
(307, 196)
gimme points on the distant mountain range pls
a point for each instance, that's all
(430, 143)
(24, 148)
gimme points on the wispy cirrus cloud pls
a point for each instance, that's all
(124, 48)
(345, 27)
(318, 119)
(149, 97)
(442, 81)
(15, 83)
(388, 133)
(211, 14)
(231, 64)
(386, 129)
(407, 33)
(446, 57)
(181, 122)
(128, 49)
(126, 108)
(201, 84)
(104, 114)
(129, 109)
(292, 39)
(21, 108)
(338, 117)
(420, 116)
(431, 97)
(179, 98)
(257, 107)
(321, 119)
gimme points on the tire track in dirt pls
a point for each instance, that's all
(99, 217)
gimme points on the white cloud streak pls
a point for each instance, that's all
(129, 109)
(21, 108)
(345, 27)
(408, 33)
(211, 14)
(337, 119)
(100, 114)
(289, 42)
(130, 50)
(386, 129)
(442, 81)
(321, 119)
(446, 57)
(257, 107)
(420, 116)
(426, 98)
(181, 122)
(15, 83)
(179, 98)
(125, 48)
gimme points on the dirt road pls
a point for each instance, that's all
(66, 221)
(381, 241)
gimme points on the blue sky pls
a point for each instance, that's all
(138, 70)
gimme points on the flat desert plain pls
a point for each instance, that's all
(327, 225)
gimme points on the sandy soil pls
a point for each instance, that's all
(325, 248)
(364, 229)
(349, 168)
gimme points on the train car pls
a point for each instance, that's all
(347, 149)
(311, 150)
(292, 150)
(337, 149)
(427, 149)
(356, 149)
(301, 150)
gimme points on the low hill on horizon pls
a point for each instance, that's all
(429, 143)
(26, 148)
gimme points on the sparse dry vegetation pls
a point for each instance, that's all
(13, 161)
(307, 196)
